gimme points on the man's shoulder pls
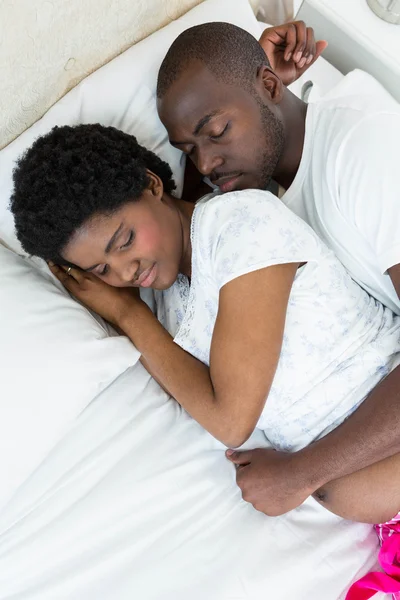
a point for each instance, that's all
(360, 97)
(340, 120)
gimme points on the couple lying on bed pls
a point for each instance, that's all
(259, 324)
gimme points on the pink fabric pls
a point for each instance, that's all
(389, 558)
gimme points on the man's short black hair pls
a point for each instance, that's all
(232, 54)
(73, 173)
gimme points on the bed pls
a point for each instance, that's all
(109, 490)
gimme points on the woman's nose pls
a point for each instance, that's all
(127, 271)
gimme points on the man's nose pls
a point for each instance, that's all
(207, 161)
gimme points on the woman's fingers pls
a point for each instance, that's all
(76, 274)
(67, 275)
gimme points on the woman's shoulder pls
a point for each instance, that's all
(249, 212)
(230, 201)
(216, 212)
(243, 230)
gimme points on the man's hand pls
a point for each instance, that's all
(269, 480)
(291, 49)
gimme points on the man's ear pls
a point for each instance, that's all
(155, 187)
(270, 84)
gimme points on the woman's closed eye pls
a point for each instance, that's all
(103, 271)
(128, 241)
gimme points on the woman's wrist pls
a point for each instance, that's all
(130, 312)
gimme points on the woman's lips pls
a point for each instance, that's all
(147, 277)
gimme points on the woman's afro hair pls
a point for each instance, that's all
(73, 173)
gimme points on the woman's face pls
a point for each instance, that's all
(142, 244)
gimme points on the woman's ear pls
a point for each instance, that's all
(270, 84)
(155, 187)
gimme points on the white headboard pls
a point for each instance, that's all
(48, 46)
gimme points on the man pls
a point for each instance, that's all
(338, 161)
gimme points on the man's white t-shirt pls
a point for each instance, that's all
(347, 187)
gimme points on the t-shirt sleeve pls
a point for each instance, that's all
(369, 184)
(250, 230)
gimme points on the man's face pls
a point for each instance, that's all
(230, 134)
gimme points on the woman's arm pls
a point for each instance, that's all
(226, 399)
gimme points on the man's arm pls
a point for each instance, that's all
(276, 482)
(291, 49)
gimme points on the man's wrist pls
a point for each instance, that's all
(307, 463)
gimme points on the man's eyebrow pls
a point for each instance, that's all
(199, 126)
(204, 120)
(109, 246)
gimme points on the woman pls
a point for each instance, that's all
(269, 329)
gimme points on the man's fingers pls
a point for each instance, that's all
(319, 48)
(301, 36)
(239, 457)
(309, 52)
(291, 40)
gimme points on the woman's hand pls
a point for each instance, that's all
(111, 303)
(291, 49)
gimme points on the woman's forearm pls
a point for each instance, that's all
(184, 377)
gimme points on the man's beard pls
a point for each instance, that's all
(274, 135)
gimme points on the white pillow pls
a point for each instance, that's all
(54, 355)
(122, 94)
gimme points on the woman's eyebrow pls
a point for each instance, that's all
(111, 243)
(109, 246)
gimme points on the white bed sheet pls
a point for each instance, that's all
(138, 501)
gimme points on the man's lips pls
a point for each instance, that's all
(227, 183)
(147, 277)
